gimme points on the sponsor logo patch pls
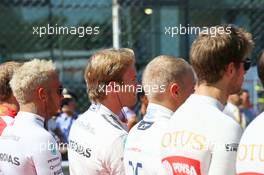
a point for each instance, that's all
(54, 166)
(178, 165)
(53, 159)
(231, 147)
(4, 157)
(80, 149)
(58, 172)
(143, 125)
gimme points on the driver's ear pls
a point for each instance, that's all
(230, 69)
(174, 90)
(42, 94)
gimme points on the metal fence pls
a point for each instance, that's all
(143, 26)
(144, 23)
(31, 29)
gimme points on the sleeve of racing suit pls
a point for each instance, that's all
(46, 156)
(114, 156)
(224, 151)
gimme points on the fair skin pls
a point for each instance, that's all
(230, 83)
(116, 100)
(131, 122)
(175, 94)
(245, 99)
(11, 103)
(46, 99)
(144, 104)
(234, 99)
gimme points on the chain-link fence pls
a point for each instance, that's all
(146, 26)
(154, 27)
(66, 31)
(144, 23)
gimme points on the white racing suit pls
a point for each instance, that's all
(142, 149)
(26, 148)
(96, 143)
(200, 139)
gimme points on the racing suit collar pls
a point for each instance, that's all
(202, 99)
(230, 105)
(105, 110)
(158, 111)
(29, 117)
(109, 114)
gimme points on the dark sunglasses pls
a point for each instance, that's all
(247, 64)
(60, 90)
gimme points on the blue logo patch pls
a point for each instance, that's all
(143, 125)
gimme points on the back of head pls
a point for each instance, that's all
(6, 72)
(28, 77)
(105, 66)
(213, 50)
(260, 66)
(162, 71)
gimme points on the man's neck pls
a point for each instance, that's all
(214, 91)
(165, 103)
(112, 106)
(30, 107)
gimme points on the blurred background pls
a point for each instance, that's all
(137, 24)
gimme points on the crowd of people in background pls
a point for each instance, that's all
(240, 108)
(192, 125)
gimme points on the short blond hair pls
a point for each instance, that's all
(29, 76)
(7, 70)
(162, 71)
(105, 66)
